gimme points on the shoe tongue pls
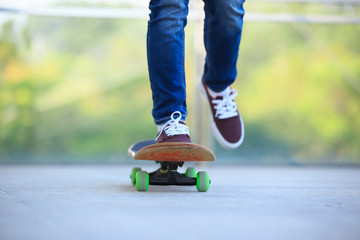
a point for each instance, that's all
(219, 95)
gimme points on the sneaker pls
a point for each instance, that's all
(227, 124)
(174, 130)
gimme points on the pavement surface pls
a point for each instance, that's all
(99, 202)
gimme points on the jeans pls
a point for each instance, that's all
(165, 51)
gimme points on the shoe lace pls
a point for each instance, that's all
(226, 107)
(174, 127)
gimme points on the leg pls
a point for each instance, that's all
(222, 35)
(165, 52)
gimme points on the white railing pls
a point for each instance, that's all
(142, 13)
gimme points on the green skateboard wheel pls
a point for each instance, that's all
(190, 172)
(142, 181)
(202, 181)
(133, 174)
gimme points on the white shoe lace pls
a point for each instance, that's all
(226, 107)
(174, 127)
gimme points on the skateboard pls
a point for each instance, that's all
(170, 156)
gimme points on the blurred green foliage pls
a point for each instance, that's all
(77, 90)
(302, 100)
(78, 93)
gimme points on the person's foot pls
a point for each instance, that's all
(227, 124)
(174, 130)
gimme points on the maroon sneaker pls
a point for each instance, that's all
(227, 124)
(174, 130)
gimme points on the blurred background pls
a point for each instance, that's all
(74, 85)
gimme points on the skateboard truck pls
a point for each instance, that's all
(167, 174)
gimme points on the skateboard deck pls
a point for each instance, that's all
(170, 156)
(170, 152)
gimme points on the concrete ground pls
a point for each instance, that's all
(98, 202)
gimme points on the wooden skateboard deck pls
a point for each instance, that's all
(170, 152)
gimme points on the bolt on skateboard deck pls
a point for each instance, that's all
(170, 156)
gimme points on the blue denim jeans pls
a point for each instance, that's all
(165, 50)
